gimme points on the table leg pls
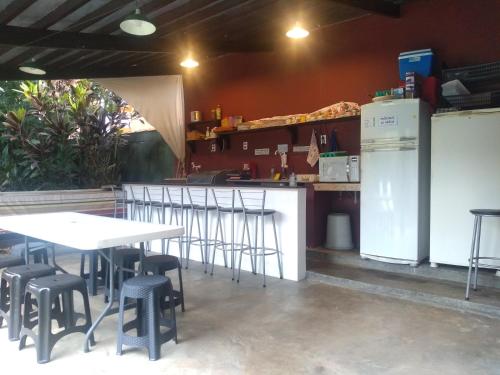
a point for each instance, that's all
(141, 257)
(86, 345)
(26, 250)
(56, 266)
(93, 265)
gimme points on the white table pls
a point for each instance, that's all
(88, 233)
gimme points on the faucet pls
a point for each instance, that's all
(195, 167)
(283, 162)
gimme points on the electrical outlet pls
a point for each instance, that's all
(245, 145)
(213, 147)
(300, 148)
(262, 151)
(322, 139)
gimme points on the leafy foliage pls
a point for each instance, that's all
(62, 134)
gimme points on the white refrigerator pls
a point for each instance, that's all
(395, 181)
(465, 167)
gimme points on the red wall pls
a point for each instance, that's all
(348, 61)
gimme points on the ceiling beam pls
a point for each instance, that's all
(200, 15)
(382, 7)
(68, 7)
(96, 15)
(94, 72)
(20, 36)
(14, 9)
(48, 20)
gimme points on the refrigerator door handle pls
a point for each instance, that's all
(402, 148)
(408, 138)
(388, 140)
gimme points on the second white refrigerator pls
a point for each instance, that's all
(395, 181)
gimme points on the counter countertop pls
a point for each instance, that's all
(261, 183)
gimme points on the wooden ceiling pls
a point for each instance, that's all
(82, 38)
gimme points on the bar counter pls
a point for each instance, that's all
(289, 204)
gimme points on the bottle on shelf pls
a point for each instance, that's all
(218, 112)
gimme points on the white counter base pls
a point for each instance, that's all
(290, 207)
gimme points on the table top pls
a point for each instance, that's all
(86, 232)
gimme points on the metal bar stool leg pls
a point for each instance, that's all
(242, 243)
(280, 262)
(190, 237)
(233, 259)
(223, 240)
(263, 250)
(478, 245)
(471, 258)
(256, 242)
(215, 242)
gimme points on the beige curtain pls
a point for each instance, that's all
(160, 100)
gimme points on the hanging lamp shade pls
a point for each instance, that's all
(31, 67)
(137, 24)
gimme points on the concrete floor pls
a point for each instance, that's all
(286, 328)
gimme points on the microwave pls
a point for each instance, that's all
(338, 168)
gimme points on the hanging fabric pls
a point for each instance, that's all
(160, 100)
(313, 154)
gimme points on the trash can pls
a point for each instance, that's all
(338, 232)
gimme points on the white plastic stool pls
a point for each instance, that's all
(338, 232)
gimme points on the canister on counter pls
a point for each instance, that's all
(195, 116)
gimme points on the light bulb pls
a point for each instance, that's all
(297, 32)
(189, 63)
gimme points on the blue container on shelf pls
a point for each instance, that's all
(420, 61)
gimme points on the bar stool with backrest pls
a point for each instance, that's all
(121, 201)
(157, 203)
(198, 201)
(141, 206)
(179, 207)
(253, 204)
(476, 242)
(224, 200)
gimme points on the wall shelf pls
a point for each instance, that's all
(205, 123)
(223, 139)
(337, 186)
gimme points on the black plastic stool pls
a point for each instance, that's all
(125, 258)
(476, 242)
(95, 276)
(36, 249)
(46, 290)
(147, 291)
(10, 261)
(14, 280)
(159, 265)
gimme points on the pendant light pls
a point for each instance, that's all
(297, 32)
(31, 67)
(137, 24)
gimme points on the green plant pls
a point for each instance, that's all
(64, 134)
